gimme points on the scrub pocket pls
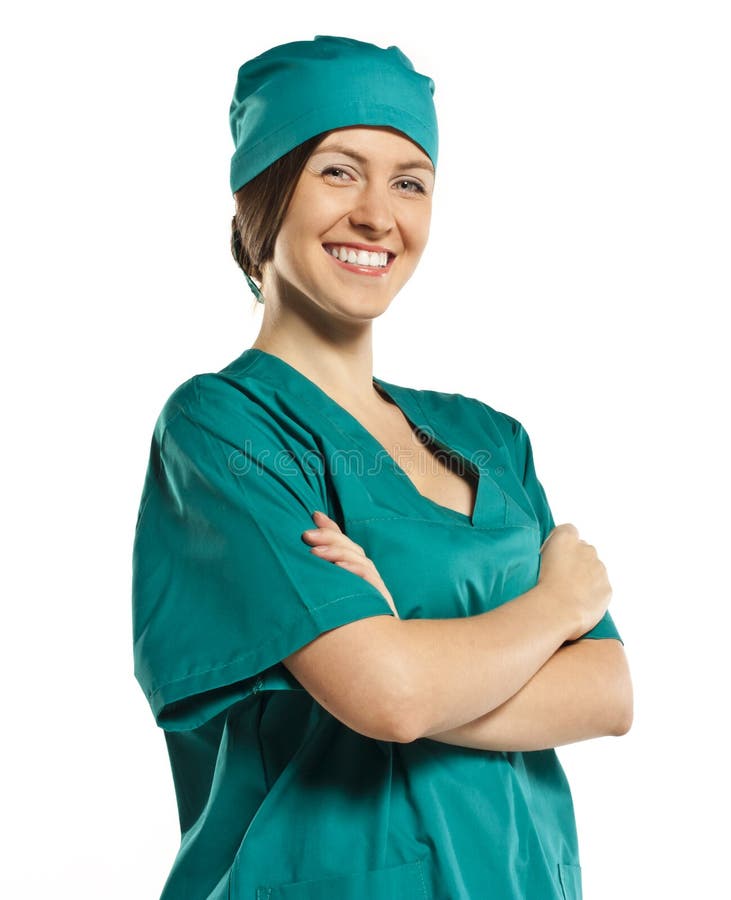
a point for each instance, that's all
(570, 878)
(407, 881)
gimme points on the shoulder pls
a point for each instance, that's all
(213, 426)
(214, 400)
(217, 412)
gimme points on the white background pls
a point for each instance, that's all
(576, 277)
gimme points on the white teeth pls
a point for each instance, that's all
(360, 257)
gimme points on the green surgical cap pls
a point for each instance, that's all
(295, 91)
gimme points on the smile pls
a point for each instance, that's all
(362, 262)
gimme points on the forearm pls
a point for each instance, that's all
(583, 691)
(457, 670)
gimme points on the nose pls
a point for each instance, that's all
(372, 210)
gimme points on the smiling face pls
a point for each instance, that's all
(363, 199)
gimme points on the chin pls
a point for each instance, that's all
(358, 307)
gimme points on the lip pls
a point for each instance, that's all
(371, 271)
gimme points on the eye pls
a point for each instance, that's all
(336, 172)
(411, 187)
(407, 185)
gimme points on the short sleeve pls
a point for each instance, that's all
(605, 627)
(223, 585)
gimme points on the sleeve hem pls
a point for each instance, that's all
(598, 637)
(331, 614)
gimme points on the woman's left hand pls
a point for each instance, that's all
(332, 544)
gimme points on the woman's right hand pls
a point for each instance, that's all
(576, 578)
(332, 544)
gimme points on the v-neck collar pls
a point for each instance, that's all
(280, 373)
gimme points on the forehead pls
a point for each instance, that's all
(373, 140)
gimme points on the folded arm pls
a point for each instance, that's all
(583, 691)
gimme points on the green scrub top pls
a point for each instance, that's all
(277, 799)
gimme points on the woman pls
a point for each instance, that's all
(361, 666)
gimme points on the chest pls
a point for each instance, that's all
(438, 565)
(436, 474)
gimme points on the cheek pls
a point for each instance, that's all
(297, 249)
(315, 206)
(286, 261)
(416, 226)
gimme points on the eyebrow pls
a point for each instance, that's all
(348, 151)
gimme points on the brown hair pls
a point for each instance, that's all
(261, 205)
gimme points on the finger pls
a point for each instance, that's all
(322, 536)
(326, 536)
(337, 551)
(352, 566)
(333, 552)
(325, 521)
